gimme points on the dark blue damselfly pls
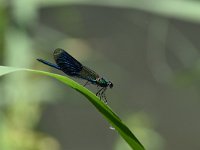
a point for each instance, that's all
(70, 66)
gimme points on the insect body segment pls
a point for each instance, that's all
(49, 64)
(70, 66)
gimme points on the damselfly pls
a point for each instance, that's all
(70, 66)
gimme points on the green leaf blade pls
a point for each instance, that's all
(108, 114)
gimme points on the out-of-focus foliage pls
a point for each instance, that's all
(179, 9)
(19, 105)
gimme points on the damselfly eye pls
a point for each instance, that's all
(110, 84)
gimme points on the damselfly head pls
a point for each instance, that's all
(104, 83)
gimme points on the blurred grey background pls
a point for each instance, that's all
(148, 49)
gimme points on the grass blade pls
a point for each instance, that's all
(109, 115)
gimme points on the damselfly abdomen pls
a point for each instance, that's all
(70, 66)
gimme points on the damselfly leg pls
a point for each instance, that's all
(98, 93)
(101, 94)
(86, 83)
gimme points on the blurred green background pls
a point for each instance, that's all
(148, 49)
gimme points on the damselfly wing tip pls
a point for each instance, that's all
(58, 51)
(40, 60)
